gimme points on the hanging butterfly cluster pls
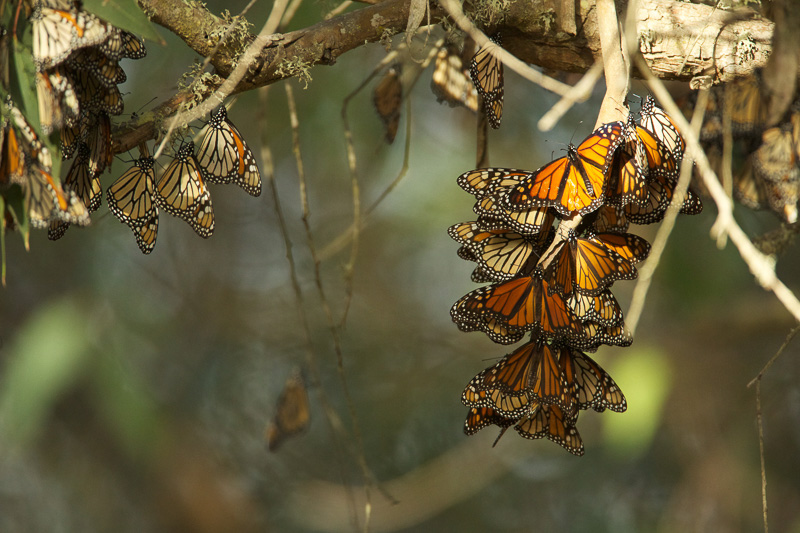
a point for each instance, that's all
(73, 57)
(766, 161)
(554, 280)
(182, 190)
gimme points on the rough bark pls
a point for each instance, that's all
(679, 41)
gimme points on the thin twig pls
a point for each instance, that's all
(577, 93)
(341, 240)
(246, 60)
(647, 271)
(369, 481)
(775, 357)
(337, 10)
(334, 421)
(761, 266)
(760, 421)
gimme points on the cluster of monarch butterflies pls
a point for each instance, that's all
(75, 56)
(182, 190)
(766, 160)
(550, 243)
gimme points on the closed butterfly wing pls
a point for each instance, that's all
(628, 177)
(602, 308)
(83, 181)
(450, 82)
(388, 99)
(480, 417)
(292, 414)
(182, 192)
(660, 160)
(503, 253)
(484, 181)
(224, 157)
(131, 198)
(655, 120)
(551, 422)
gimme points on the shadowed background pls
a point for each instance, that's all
(136, 389)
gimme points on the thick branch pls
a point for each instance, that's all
(679, 41)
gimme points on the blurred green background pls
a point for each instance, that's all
(136, 389)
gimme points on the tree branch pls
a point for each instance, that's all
(679, 41)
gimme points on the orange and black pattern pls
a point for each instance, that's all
(554, 281)
(75, 58)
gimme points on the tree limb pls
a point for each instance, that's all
(679, 41)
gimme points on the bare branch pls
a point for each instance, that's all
(531, 32)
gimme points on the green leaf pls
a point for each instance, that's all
(48, 356)
(124, 14)
(23, 86)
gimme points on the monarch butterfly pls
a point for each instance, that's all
(589, 265)
(485, 181)
(58, 32)
(224, 157)
(95, 96)
(654, 120)
(71, 135)
(131, 199)
(555, 424)
(609, 218)
(388, 97)
(480, 417)
(292, 414)
(120, 44)
(742, 102)
(660, 191)
(660, 161)
(574, 183)
(493, 215)
(775, 168)
(81, 179)
(182, 192)
(524, 303)
(534, 369)
(593, 335)
(509, 405)
(46, 200)
(505, 254)
(631, 247)
(602, 308)
(105, 70)
(450, 82)
(33, 145)
(495, 329)
(101, 154)
(51, 115)
(12, 158)
(594, 388)
(627, 181)
(486, 71)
